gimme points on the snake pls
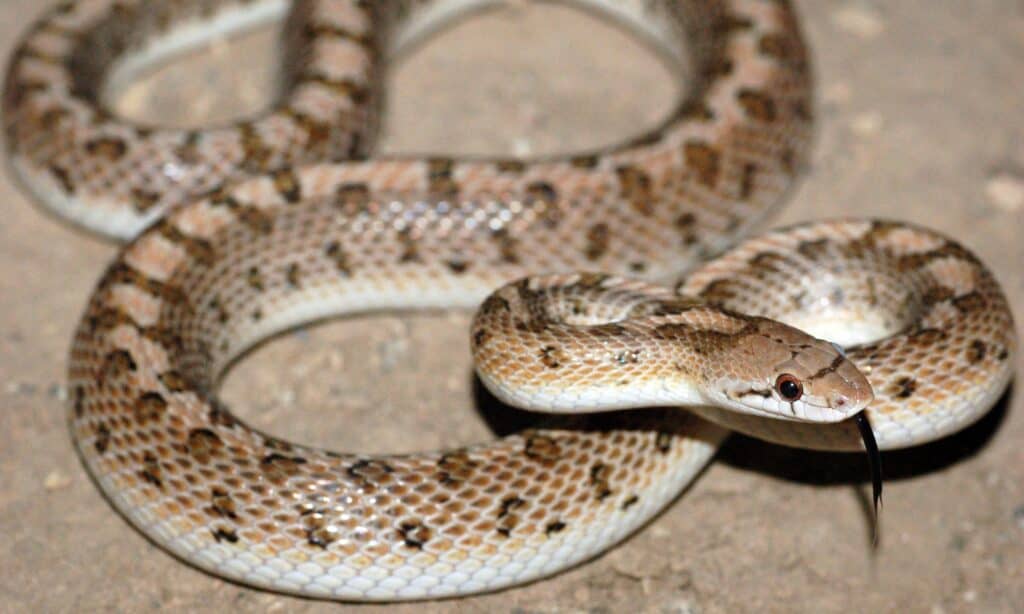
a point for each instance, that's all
(629, 306)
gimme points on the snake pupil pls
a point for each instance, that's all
(789, 387)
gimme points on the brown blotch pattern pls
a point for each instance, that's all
(716, 68)
(121, 273)
(200, 250)
(455, 468)
(686, 223)
(254, 279)
(222, 503)
(747, 177)
(286, 182)
(116, 364)
(551, 357)
(256, 153)
(970, 302)
(113, 149)
(787, 158)
(600, 474)
(353, 197)
(144, 200)
(221, 534)
(902, 387)
(357, 92)
(695, 110)
(293, 275)
(337, 255)
(508, 515)
(976, 351)
(219, 310)
(440, 182)
(511, 166)
(663, 442)
(410, 246)
(203, 444)
(188, 150)
(277, 468)
(727, 23)
(219, 415)
(370, 473)
(703, 159)
(507, 246)
(542, 448)
(457, 265)
(589, 161)
(479, 337)
(598, 237)
(414, 533)
(319, 532)
(554, 527)
(78, 400)
(635, 187)
(544, 193)
(102, 438)
(63, 177)
(757, 105)
(318, 134)
(778, 46)
(150, 406)
(151, 471)
(254, 219)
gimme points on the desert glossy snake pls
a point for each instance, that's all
(275, 221)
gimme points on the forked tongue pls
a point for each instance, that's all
(874, 462)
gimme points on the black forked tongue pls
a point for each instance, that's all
(874, 462)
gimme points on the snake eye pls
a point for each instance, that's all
(789, 387)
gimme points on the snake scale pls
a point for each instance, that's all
(281, 219)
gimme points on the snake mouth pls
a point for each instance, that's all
(764, 404)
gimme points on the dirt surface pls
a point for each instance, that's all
(919, 119)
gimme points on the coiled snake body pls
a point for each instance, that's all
(269, 238)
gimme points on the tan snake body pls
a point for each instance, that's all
(253, 256)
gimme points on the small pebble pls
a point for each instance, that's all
(858, 20)
(683, 606)
(1006, 191)
(55, 480)
(21, 388)
(286, 397)
(522, 148)
(278, 606)
(866, 124)
(58, 392)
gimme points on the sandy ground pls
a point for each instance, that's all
(920, 119)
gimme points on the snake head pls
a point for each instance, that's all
(781, 372)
